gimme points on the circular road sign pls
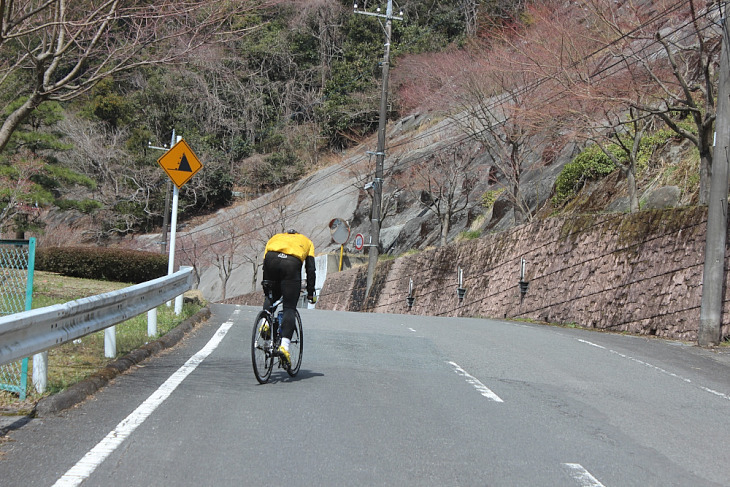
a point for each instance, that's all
(359, 241)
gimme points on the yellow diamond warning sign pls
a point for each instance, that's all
(180, 163)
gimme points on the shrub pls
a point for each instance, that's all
(102, 263)
(489, 197)
(84, 206)
(590, 164)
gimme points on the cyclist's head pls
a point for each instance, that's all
(291, 230)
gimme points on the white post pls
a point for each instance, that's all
(152, 314)
(180, 298)
(152, 322)
(110, 342)
(40, 371)
(173, 232)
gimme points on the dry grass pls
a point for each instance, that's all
(77, 360)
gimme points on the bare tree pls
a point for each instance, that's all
(254, 256)
(494, 120)
(394, 184)
(469, 10)
(256, 226)
(59, 49)
(255, 239)
(443, 184)
(193, 251)
(509, 105)
(625, 133)
(224, 251)
(674, 57)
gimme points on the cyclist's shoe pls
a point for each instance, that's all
(285, 357)
(265, 331)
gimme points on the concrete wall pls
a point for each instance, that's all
(639, 273)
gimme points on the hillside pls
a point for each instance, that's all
(337, 192)
(550, 112)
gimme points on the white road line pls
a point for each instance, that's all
(86, 466)
(584, 478)
(483, 390)
(659, 369)
(706, 389)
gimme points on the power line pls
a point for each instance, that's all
(525, 89)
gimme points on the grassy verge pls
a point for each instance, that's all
(74, 361)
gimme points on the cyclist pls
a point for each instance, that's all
(284, 255)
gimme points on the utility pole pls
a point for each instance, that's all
(380, 151)
(713, 276)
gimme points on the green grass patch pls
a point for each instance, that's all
(75, 361)
(468, 235)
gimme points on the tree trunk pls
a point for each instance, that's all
(254, 273)
(705, 175)
(17, 117)
(519, 213)
(224, 281)
(631, 183)
(444, 229)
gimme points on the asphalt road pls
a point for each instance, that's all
(395, 400)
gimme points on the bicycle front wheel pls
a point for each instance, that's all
(296, 347)
(262, 349)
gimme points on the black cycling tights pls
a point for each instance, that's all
(286, 275)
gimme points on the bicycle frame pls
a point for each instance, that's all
(276, 340)
(265, 346)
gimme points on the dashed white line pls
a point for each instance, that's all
(659, 369)
(86, 466)
(582, 476)
(483, 390)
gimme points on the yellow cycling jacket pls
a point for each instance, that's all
(294, 244)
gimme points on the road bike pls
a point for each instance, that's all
(266, 339)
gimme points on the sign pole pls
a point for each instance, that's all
(180, 163)
(173, 233)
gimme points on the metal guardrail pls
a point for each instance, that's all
(30, 332)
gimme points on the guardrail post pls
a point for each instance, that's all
(179, 299)
(110, 342)
(40, 372)
(152, 322)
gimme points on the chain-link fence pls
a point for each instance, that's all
(17, 258)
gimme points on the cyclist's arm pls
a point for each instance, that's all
(311, 274)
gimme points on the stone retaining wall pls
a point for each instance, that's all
(640, 274)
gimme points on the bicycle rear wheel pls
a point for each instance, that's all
(261, 347)
(296, 347)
